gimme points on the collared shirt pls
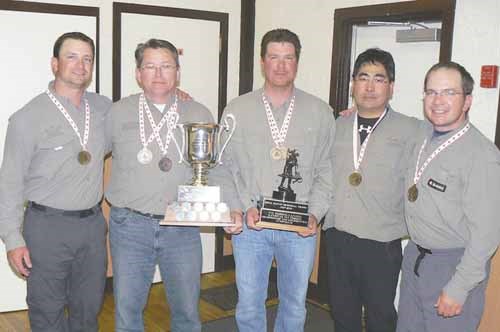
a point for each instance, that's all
(248, 172)
(40, 160)
(374, 209)
(458, 204)
(145, 187)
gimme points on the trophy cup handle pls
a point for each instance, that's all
(226, 127)
(181, 148)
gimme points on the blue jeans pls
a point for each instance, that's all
(138, 243)
(253, 254)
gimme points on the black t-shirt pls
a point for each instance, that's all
(365, 126)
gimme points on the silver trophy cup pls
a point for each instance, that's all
(197, 203)
(202, 146)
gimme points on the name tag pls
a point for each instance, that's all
(436, 185)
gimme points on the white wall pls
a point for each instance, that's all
(476, 42)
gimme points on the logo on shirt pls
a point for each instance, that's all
(436, 185)
(366, 129)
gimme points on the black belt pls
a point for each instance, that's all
(149, 215)
(423, 252)
(69, 213)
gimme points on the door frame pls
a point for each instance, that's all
(345, 18)
(222, 18)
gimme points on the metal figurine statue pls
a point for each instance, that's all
(290, 173)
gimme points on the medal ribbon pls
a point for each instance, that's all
(279, 136)
(171, 117)
(357, 159)
(449, 141)
(72, 123)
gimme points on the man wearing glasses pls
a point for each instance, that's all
(452, 208)
(365, 224)
(144, 177)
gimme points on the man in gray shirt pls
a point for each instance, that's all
(144, 178)
(252, 165)
(452, 208)
(365, 224)
(53, 160)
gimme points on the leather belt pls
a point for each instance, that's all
(148, 215)
(423, 252)
(69, 213)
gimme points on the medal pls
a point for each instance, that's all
(84, 157)
(165, 164)
(355, 179)
(144, 156)
(413, 193)
(284, 152)
(278, 152)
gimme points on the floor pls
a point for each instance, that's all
(156, 315)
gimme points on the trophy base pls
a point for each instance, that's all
(197, 214)
(283, 215)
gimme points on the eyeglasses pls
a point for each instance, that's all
(365, 79)
(164, 67)
(443, 93)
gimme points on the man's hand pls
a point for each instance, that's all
(19, 259)
(347, 112)
(312, 227)
(183, 95)
(237, 218)
(447, 307)
(252, 217)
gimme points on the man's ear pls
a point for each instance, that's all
(54, 65)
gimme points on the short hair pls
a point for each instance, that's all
(280, 36)
(72, 35)
(376, 55)
(467, 80)
(155, 44)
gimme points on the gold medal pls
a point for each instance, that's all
(276, 153)
(84, 157)
(355, 179)
(413, 193)
(284, 152)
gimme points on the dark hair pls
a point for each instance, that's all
(72, 35)
(280, 36)
(376, 55)
(155, 44)
(467, 80)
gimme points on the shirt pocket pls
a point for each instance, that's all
(446, 190)
(54, 155)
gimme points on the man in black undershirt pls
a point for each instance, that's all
(365, 224)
